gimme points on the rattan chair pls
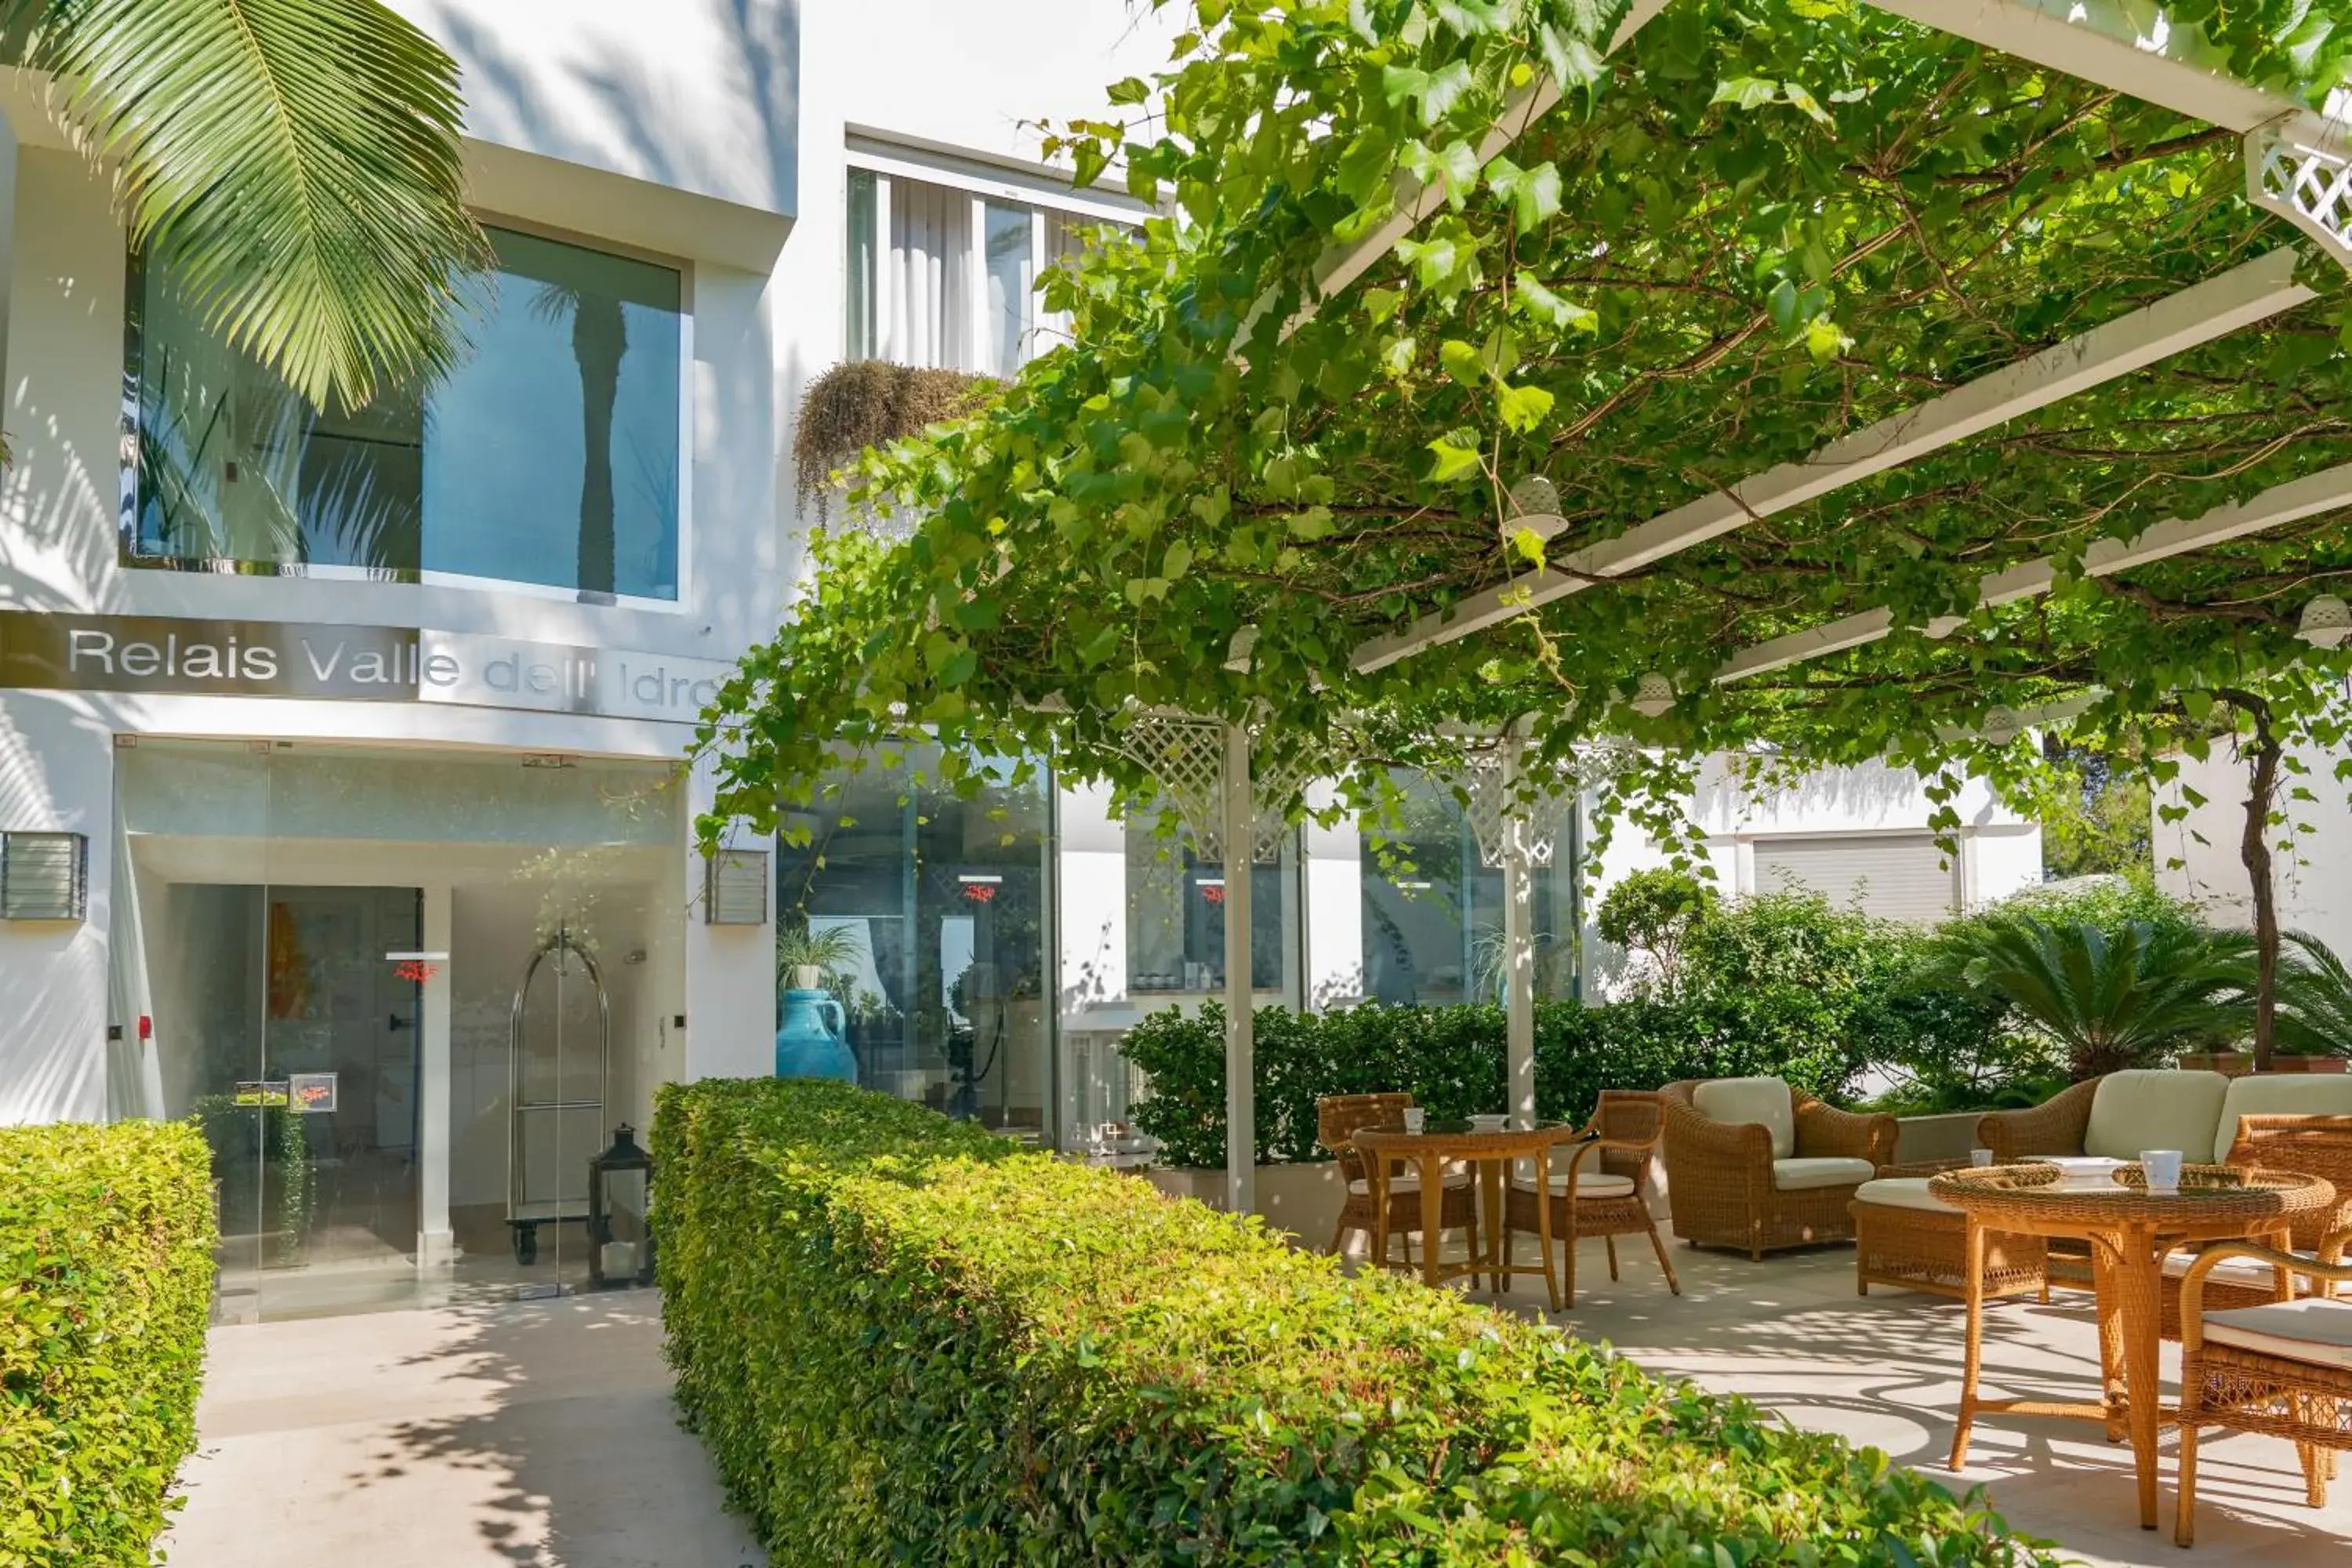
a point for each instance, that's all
(2309, 1145)
(1338, 1119)
(2284, 1367)
(1606, 1199)
(1726, 1187)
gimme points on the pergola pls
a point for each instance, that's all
(1998, 384)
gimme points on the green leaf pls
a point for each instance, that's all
(1533, 193)
(1572, 61)
(1745, 92)
(1824, 340)
(1531, 298)
(1524, 408)
(1130, 89)
(295, 165)
(1461, 361)
(1529, 544)
(1456, 459)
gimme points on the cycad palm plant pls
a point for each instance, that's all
(2113, 999)
(294, 163)
(2315, 999)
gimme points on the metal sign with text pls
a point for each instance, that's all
(161, 655)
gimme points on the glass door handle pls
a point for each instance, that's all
(396, 1023)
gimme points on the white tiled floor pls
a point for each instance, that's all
(1792, 1334)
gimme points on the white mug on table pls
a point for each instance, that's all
(2162, 1167)
(1416, 1119)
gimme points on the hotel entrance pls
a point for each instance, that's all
(406, 996)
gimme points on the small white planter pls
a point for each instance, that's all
(806, 977)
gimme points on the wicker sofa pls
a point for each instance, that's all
(1755, 1164)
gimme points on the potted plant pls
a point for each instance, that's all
(807, 960)
(2315, 1018)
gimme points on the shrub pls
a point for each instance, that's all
(106, 1238)
(903, 1342)
(1655, 912)
(1451, 1060)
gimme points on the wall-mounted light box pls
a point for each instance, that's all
(44, 877)
(735, 887)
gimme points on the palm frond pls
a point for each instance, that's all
(295, 163)
(2314, 992)
(2114, 999)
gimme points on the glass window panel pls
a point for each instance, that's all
(943, 902)
(1011, 274)
(1433, 912)
(1176, 917)
(859, 292)
(550, 456)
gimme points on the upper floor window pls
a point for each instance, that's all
(550, 456)
(942, 278)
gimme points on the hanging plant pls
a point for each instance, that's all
(868, 403)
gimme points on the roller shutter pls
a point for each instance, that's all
(1898, 877)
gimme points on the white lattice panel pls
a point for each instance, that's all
(1187, 756)
(2302, 170)
(1489, 779)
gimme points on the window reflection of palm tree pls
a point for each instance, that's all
(600, 339)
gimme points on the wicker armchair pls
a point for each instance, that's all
(2309, 1145)
(1338, 1119)
(1728, 1186)
(2056, 1126)
(2283, 1368)
(1606, 1199)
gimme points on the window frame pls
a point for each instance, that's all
(132, 480)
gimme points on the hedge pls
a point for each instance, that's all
(1451, 1060)
(904, 1341)
(105, 1273)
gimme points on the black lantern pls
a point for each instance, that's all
(621, 1242)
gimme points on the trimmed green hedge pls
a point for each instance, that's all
(903, 1342)
(1450, 1059)
(106, 1274)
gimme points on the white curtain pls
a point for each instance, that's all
(1064, 236)
(929, 276)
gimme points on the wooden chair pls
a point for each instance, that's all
(1606, 1199)
(2281, 1367)
(1338, 1119)
(2309, 1145)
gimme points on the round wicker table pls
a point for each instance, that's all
(1490, 1155)
(2129, 1229)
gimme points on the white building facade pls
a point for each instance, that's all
(340, 752)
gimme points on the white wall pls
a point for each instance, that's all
(2000, 851)
(2311, 871)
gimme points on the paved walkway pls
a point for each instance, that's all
(538, 1434)
(1790, 1333)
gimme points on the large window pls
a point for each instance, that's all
(1433, 912)
(549, 457)
(942, 278)
(1176, 917)
(943, 904)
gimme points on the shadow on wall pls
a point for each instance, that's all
(53, 978)
(536, 103)
(571, 1448)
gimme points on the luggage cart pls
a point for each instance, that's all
(527, 1211)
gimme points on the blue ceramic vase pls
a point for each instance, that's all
(810, 1044)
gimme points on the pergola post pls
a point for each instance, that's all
(1240, 1066)
(1518, 971)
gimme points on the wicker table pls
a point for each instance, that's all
(2129, 1230)
(1491, 1155)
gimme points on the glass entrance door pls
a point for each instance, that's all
(560, 1102)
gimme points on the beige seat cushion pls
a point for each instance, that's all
(2279, 1094)
(1406, 1182)
(1799, 1176)
(1588, 1184)
(2153, 1109)
(2247, 1273)
(2080, 1171)
(1762, 1101)
(2312, 1330)
(1902, 1192)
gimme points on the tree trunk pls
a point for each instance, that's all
(2254, 849)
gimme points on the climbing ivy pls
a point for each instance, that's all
(1751, 232)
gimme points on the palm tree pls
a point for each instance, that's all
(294, 162)
(2117, 999)
(2315, 999)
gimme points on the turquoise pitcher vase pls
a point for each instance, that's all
(810, 1044)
